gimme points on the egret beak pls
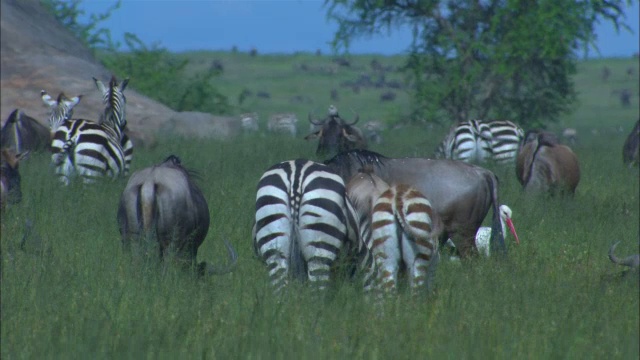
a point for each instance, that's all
(513, 230)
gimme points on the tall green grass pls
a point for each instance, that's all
(71, 292)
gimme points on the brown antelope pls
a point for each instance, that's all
(336, 135)
(404, 229)
(460, 193)
(164, 202)
(10, 192)
(544, 165)
(22, 133)
(631, 148)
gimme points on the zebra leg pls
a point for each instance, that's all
(417, 255)
(320, 252)
(386, 251)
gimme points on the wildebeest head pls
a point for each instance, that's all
(10, 192)
(543, 164)
(23, 133)
(631, 148)
(336, 135)
(61, 108)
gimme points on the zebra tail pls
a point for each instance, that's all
(296, 260)
(497, 244)
(147, 205)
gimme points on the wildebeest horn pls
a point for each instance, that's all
(313, 122)
(356, 120)
(214, 270)
(632, 261)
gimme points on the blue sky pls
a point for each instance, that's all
(277, 26)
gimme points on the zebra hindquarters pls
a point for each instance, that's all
(421, 230)
(273, 240)
(385, 245)
(322, 234)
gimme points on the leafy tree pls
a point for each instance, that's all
(509, 59)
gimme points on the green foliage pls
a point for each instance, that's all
(485, 59)
(154, 71)
(160, 75)
(68, 13)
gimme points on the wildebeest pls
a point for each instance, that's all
(545, 165)
(164, 203)
(22, 133)
(404, 229)
(461, 193)
(10, 192)
(631, 148)
(632, 261)
(336, 135)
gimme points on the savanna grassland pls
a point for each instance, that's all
(69, 291)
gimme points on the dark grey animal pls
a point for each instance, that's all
(164, 202)
(545, 165)
(22, 133)
(10, 192)
(461, 193)
(631, 148)
(632, 261)
(336, 135)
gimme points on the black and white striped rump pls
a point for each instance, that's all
(468, 141)
(506, 139)
(302, 221)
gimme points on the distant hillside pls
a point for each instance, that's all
(37, 53)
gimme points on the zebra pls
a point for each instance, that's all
(303, 221)
(86, 148)
(115, 115)
(506, 140)
(469, 141)
(403, 228)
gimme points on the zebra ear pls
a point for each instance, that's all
(100, 85)
(123, 84)
(47, 98)
(73, 101)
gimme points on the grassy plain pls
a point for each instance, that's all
(69, 291)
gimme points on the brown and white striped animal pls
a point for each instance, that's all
(163, 202)
(336, 135)
(10, 191)
(631, 148)
(22, 133)
(461, 193)
(404, 230)
(545, 165)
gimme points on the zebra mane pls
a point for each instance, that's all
(357, 158)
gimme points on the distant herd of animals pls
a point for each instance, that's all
(380, 214)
